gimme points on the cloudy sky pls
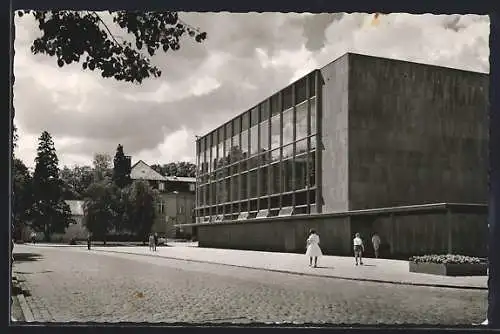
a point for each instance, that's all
(246, 58)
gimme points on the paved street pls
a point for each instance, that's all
(73, 284)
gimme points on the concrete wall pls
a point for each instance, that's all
(402, 236)
(286, 235)
(335, 135)
(417, 134)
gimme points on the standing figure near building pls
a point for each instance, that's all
(359, 248)
(376, 244)
(151, 241)
(33, 237)
(89, 241)
(313, 249)
(155, 240)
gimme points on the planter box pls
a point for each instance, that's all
(449, 269)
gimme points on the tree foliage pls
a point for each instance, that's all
(179, 169)
(121, 168)
(49, 212)
(78, 179)
(143, 208)
(102, 166)
(99, 208)
(84, 37)
(23, 195)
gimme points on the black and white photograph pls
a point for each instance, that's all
(250, 168)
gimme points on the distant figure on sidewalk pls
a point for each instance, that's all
(313, 249)
(376, 244)
(89, 241)
(151, 241)
(359, 248)
(33, 237)
(155, 239)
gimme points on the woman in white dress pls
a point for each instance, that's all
(313, 250)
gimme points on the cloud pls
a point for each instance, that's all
(246, 58)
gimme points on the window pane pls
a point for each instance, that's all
(287, 151)
(264, 110)
(301, 146)
(275, 155)
(235, 153)
(244, 144)
(313, 115)
(245, 121)
(244, 186)
(220, 155)
(287, 175)
(287, 98)
(264, 136)
(275, 179)
(254, 140)
(275, 104)
(234, 188)
(312, 169)
(254, 116)
(312, 84)
(312, 143)
(214, 157)
(253, 184)
(213, 194)
(228, 189)
(275, 131)
(300, 172)
(264, 179)
(237, 126)
(229, 130)
(227, 150)
(288, 126)
(301, 116)
(301, 90)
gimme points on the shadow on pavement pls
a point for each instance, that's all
(26, 257)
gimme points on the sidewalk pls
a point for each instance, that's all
(374, 270)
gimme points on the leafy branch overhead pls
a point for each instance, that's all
(84, 37)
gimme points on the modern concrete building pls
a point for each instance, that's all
(176, 203)
(405, 142)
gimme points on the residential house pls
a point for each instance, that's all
(176, 203)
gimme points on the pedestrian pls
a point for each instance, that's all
(155, 240)
(89, 241)
(376, 244)
(33, 237)
(313, 249)
(151, 241)
(359, 248)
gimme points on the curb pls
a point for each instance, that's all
(28, 315)
(447, 286)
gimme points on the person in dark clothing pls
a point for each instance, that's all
(155, 241)
(89, 241)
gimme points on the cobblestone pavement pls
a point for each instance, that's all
(79, 285)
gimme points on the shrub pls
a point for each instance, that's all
(444, 259)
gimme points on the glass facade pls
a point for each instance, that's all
(264, 159)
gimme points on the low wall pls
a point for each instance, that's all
(404, 233)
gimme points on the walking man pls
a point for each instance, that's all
(89, 241)
(376, 244)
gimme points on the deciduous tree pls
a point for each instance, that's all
(86, 37)
(23, 196)
(100, 208)
(143, 208)
(102, 166)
